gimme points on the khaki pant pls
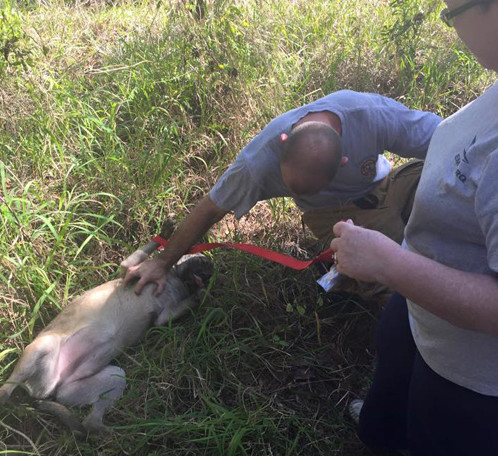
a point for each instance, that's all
(393, 201)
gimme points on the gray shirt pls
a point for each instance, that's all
(371, 124)
(455, 222)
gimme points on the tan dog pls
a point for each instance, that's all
(69, 360)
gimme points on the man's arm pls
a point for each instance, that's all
(193, 227)
(408, 131)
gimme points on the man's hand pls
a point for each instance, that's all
(150, 271)
(361, 253)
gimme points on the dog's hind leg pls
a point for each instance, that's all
(100, 390)
(35, 369)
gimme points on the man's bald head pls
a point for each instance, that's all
(311, 157)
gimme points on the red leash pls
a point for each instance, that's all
(286, 260)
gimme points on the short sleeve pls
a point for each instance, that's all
(486, 207)
(236, 190)
(408, 131)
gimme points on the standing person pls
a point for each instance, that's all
(327, 155)
(435, 389)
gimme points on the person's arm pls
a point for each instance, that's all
(193, 227)
(408, 132)
(236, 191)
(464, 299)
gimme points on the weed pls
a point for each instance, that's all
(14, 47)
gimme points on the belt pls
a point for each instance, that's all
(369, 201)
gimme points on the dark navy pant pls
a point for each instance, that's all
(410, 406)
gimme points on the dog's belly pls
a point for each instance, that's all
(111, 317)
(83, 355)
(105, 335)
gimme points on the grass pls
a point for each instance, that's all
(115, 115)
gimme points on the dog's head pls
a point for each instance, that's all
(194, 270)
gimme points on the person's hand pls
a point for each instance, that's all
(361, 253)
(150, 271)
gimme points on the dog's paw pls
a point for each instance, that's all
(96, 427)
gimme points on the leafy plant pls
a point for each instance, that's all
(14, 48)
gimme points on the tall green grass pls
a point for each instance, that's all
(115, 115)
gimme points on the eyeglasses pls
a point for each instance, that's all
(448, 15)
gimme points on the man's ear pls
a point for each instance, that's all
(283, 137)
(344, 160)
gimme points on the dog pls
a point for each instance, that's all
(69, 361)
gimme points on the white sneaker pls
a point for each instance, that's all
(355, 409)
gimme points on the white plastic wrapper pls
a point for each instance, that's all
(328, 280)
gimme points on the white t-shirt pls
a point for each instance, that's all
(454, 221)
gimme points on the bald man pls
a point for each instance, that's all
(327, 156)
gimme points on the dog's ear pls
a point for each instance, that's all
(194, 271)
(199, 282)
